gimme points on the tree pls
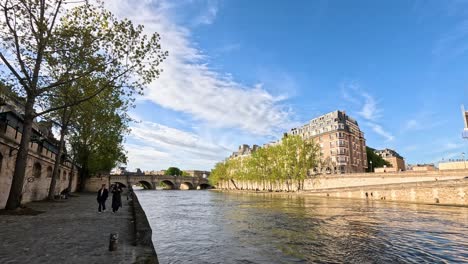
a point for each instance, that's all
(377, 161)
(288, 162)
(36, 36)
(97, 133)
(173, 171)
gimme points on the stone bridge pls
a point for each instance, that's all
(149, 181)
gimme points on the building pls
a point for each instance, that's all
(341, 142)
(43, 149)
(459, 164)
(197, 173)
(421, 167)
(396, 161)
(244, 150)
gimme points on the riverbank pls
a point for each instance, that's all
(72, 231)
(447, 193)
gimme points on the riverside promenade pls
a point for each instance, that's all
(71, 231)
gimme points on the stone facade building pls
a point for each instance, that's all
(391, 156)
(342, 143)
(244, 150)
(42, 154)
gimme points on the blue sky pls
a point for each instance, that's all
(247, 71)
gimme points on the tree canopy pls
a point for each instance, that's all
(173, 171)
(57, 58)
(286, 163)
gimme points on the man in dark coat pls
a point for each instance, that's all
(102, 195)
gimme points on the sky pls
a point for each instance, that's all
(244, 72)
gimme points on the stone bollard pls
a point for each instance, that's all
(113, 239)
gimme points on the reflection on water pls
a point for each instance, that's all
(212, 227)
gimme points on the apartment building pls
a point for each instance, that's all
(342, 143)
(391, 156)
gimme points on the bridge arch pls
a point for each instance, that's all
(186, 186)
(146, 185)
(204, 186)
(167, 185)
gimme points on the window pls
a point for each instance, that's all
(64, 177)
(49, 172)
(37, 170)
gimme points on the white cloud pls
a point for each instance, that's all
(158, 146)
(209, 15)
(189, 85)
(380, 130)
(369, 109)
(412, 124)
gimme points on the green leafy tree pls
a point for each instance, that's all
(173, 171)
(97, 133)
(36, 36)
(377, 161)
(286, 163)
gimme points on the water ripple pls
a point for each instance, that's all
(212, 227)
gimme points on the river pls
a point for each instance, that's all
(215, 227)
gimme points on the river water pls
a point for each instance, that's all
(215, 227)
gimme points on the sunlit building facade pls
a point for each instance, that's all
(342, 143)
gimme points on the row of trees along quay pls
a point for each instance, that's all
(75, 64)
(288, 162)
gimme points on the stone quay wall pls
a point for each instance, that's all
(449, 192)
(444, 187)
(331, 181)
(143, 233)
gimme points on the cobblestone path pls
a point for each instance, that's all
(70, 231)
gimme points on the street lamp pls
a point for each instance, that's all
(371, 166)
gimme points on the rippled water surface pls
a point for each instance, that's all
(213, 227)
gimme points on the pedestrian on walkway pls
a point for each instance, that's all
(102, 195)
(116, 198)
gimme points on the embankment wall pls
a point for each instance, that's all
(143, 233)
(450, 192)
(331, 181)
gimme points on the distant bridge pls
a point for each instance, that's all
(150, 181)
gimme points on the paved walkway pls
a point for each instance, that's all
(70, 231)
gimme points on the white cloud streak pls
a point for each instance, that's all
(369, 109)
(160, 146)
(189, 85)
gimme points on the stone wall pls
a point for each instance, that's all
(350, 180)
(453, 165)
(93, 184)
(143, 233)
(449, 192)
(36, 186)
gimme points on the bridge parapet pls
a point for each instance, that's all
(154, 180)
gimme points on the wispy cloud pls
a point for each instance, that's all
(368, 107)
(208, 15)
(155, 145)
(422, 120)
(189, 85)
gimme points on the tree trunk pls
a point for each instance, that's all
(58, 159)
(16, 191)
(72, 171)
(235, 185)
(83, 175)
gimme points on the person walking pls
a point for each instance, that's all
(116, 198)
(102, 195)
